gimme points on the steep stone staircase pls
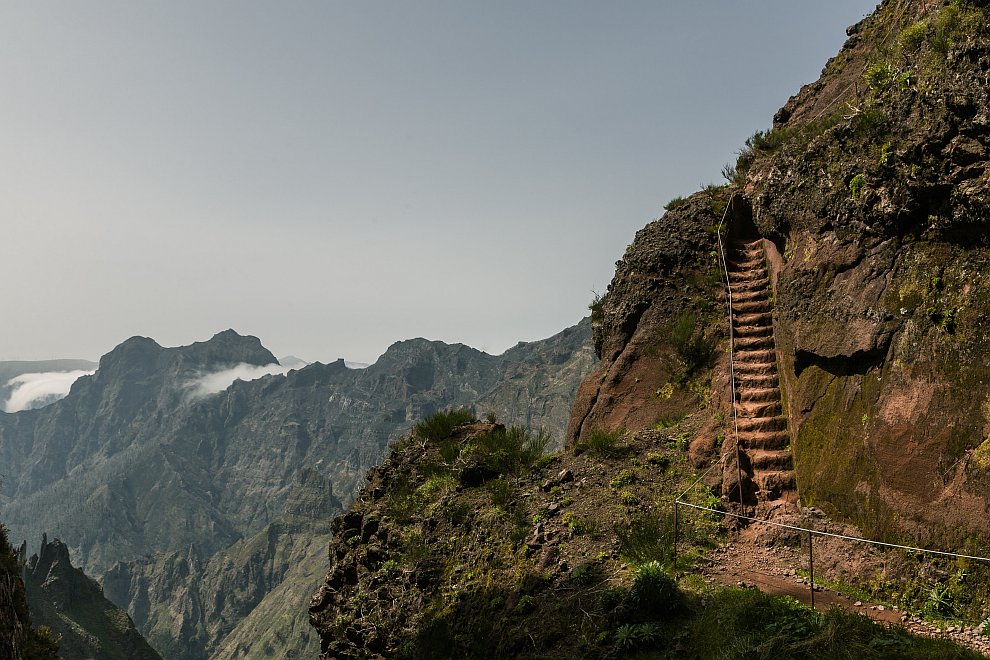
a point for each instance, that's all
(761, 425)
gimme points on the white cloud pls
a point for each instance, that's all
(40, 389)
(218, 381)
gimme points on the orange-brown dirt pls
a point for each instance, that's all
(754, 558)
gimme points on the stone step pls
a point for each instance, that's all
(742, 295)
(754, 368)
(746, 265)
(754, 394)
(778, 423)
(770, 460)
(747, 296)
(751, 306)
(764, 439)
(758, 409)
(759, 381)
(755, 356)
(760, 342)
(752, 330)
(749, 285)
(748, 274)
(743, 266)
(758, 318)
(774, 484)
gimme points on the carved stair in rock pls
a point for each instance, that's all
(760, 424)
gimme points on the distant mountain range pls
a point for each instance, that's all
(195, 507)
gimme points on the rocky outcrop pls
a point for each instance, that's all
(880, 210)
(871, 194)
(72, 605)
(18, 639)
(670, 273)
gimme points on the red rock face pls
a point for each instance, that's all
(668, 271)
(873, 196)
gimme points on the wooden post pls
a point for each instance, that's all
(811, 568)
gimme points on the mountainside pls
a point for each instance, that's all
(856, 238)
(72, 605)
(466, 543)
(870, 198)
(878, 211)
(18, 639)
(136, 467)
(186, 602)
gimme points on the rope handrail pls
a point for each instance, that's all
(832, 534)
(732, 356)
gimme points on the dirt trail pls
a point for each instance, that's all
(772, 569)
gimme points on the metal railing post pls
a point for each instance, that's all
(811, 568)
(675, 539)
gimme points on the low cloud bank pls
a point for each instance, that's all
(36, 390)
(218, 381)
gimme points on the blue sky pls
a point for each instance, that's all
(333, 177)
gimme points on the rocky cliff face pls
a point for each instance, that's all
(878, 206)
(196, 507)
(189, 604)
(18, 639)
(72, 605)
(670, 272)
(872, 195)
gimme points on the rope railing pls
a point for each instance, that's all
(679, 502)
(834, 535)
(732, 357)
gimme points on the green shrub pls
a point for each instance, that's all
(624, 478)
(664, 423)
(870, 123)
(660, 460)
(647, 538)
(633, 636)
(507, 451)
(500, 492)
(913, 36)
(746, 623)
(596, 308)
(856, 184)
(880, 75)
(689, 341)
(579, 525)
(439, 425)
(436, 487)
(525, 605)
(946, 26)
(939, 602)
(600, 442)
(674, 203)
(654, 592)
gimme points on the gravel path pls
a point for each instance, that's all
(771, 569)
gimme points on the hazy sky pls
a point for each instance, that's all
(336, 176)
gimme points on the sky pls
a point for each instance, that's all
(333, 177)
